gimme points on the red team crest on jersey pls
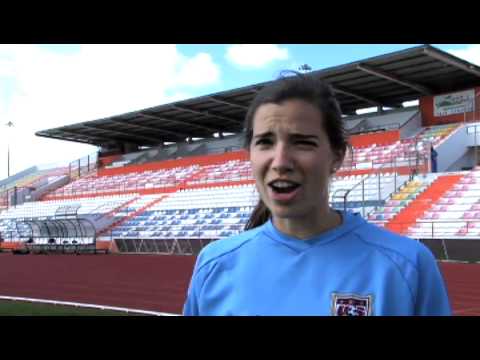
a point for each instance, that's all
(351, 305)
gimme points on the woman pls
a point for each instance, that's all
(299, 256)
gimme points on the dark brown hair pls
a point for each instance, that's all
(293, 85)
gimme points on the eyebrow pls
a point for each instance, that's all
(265, 134)
(304, 136)
(294, 135)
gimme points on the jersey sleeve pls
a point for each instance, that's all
(191, 306)
(432, 296)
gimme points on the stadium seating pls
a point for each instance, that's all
(96, 205)
(195, 214)
(361, 193)
(88, 207)
(401, 199)
(192, 200)
(131, 182)
(233, 170)
(400, 153)
(455, 214)
(92, 185)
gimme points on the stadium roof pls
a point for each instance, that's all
(387, 80)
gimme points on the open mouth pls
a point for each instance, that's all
(283, 186)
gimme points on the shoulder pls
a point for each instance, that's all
(219, 249)
(397, 247)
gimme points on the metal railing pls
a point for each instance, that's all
(180, 246)
(83, 166)
(410, 159)
(464, 228)
(417, 162)
(449, 245)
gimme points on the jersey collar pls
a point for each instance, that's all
(350, 222)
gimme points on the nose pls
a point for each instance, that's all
(282, 160)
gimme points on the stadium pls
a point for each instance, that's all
(121, 228)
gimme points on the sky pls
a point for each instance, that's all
(48, 86)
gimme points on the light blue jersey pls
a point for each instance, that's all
(354, 269)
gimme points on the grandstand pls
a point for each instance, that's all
(171, 179)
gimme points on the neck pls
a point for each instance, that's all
(307, 227)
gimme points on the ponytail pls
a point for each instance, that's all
(260, 215)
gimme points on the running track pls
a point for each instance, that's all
(155, 282)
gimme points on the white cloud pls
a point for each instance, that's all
(255, 55)
(198, 71)
(177, 96)
(7, 68)
(48, 89)
(294, 66)
(471, 54)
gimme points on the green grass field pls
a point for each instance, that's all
(25, 308)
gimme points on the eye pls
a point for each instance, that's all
(263, 141)
(306, 143)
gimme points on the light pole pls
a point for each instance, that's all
(9, 124)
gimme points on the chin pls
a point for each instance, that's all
(287, 212)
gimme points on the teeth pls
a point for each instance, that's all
(282, 184)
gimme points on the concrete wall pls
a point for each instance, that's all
(133, 156)
(38, 193)
(202, 147)
(466, 161)
(233, 142)
(389, 119)
(350, 124)
(412, 127)
(452, 149)
(392, 118)
(470, 131)
(18, 176)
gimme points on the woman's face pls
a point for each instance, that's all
(292, 159)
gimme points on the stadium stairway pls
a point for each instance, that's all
(415, 210)
(196, 176)
(400, 199)
(129, 216)
(113, 212)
